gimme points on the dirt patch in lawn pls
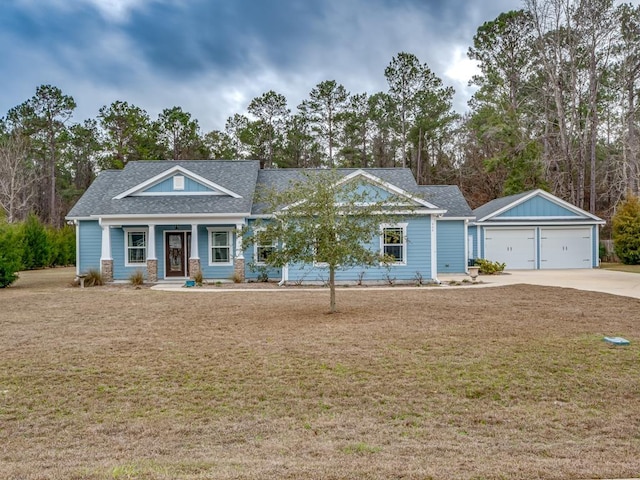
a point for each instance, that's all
(508, 382)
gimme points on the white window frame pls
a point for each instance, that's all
(178, 182)
(230, 244)
(402, 226)
(128, 247)
(257, 246)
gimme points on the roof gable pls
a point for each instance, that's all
(382, 190)
(531, 206)
(176, 181)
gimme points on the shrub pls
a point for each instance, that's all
(93, 278)
(136, 278)
(10, 254)
(626, 231)
(198, 278)
(487, 267)
(62, 246)
(35, 241)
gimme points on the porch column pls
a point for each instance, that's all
(106, 261)
(238, 261)
(152, 260)
(194, 258)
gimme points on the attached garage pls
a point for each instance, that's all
(565, 248)
(514, 246)
(535, 230)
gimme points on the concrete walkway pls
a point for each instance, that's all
(604, 281)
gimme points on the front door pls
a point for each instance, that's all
(177, 246)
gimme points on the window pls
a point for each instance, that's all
(394, 242)
(135, 247)
(220, 247)
(263, 248)
(178, 182)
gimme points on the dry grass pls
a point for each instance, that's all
(119, 383)
(620, 267)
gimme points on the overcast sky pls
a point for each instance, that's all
(211, 57)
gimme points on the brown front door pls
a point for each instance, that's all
(177, 253)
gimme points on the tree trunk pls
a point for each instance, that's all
(332, 289)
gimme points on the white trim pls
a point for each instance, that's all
(385, 186)
(195, 254)
(536, 224)
(77, 225)
(229, 245)
(404, 227)
(151, 243)
(105, 246)
(163, 219)
(128, 230)
(256, 245)
(434, 249)
(178, 182)
(166, 174)
(178, 194)
(164, 253)
(466, 219)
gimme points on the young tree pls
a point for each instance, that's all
(323, 217)
(10, 254)
(626, 231)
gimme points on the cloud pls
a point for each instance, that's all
(212, 57)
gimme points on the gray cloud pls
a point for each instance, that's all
(212, 57)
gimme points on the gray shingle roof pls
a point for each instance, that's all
(449, 197)
(241, 177)
(495, 205)
(238, 176)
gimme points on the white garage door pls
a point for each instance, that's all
(514, 246)
(565, 248)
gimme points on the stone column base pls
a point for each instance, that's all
(194, 267)
(106, 268)
(238, 270)
(152, 271)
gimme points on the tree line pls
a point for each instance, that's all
(556, 107)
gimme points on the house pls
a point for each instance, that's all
(170, 219)
(535, 230)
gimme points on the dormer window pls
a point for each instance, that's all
(178, 182)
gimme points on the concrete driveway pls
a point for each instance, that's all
(596, 280)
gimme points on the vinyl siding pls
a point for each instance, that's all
(451, 246)
(418, 258)
(538, 207)
(120, 272)
(190, 185)
(90, 245)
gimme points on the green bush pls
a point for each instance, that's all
(62, 246)
(487, 267)
(35, 241)
(626, 231)
(10, 254)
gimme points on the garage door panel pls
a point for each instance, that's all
(514, 247)
(565, 248)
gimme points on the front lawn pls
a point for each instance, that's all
(620, 267)
(508, 382)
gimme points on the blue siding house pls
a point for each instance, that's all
(535, 230)
(171, 219)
